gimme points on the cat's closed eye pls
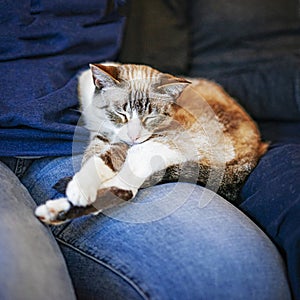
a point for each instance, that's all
(117, 117)
(149, 119)
(122, 115)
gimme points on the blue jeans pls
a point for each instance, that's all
(192, 252)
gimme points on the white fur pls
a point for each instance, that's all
(86, 89)
(142, 161)
(82, 189)
(49, 211)
(94, 118)
(133, 132)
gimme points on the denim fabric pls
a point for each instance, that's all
(32, 266)
(276, 178)
(18, 165)
(193, 252)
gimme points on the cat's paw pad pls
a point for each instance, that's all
(80, 195)
(53, 211)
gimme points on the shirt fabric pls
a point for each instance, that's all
(43, 47)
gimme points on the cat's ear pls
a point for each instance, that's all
(172, 85)
(104, 76)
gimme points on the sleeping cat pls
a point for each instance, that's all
(148, 127)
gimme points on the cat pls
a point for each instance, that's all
(148, 127)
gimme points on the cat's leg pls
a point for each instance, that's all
(108, 172)
(121, 181)
(81, 191)
(101, 162)
(144, 160)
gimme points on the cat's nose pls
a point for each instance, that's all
(134, 130)
(134, 137)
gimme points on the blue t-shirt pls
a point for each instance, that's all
(44, 44)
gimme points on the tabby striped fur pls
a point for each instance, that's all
(148, 127)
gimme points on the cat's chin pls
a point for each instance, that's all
(131, 143)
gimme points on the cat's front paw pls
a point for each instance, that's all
(81, 193)
(53, 211)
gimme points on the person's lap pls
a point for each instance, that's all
(166, 251)
(32, 266)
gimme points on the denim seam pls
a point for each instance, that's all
(19, 167)
(124, 277)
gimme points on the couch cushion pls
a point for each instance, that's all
(280, 132)
(252, 48)
(157, 34)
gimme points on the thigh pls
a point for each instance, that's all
(32, 266)
(272, 198)
(176, 241)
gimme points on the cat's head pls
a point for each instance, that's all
(132, 102)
